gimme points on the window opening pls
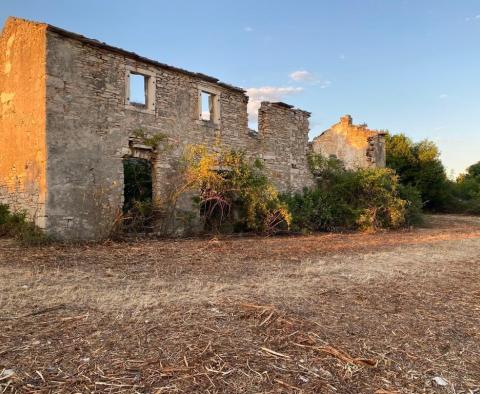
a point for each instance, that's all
(138, 89)
(207, 106)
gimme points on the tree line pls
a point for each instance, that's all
(418, 165)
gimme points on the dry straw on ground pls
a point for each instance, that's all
(356, 313)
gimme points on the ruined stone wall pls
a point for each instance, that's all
(22, 118)
(356, 146)
(67, 125)
(89, 127)
(376, 153)
(283, 134)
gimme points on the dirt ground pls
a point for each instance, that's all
(393, 312)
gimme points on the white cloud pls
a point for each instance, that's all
(302, 76)
(248, 29)
(267, 93)
(342, 57)
(443, 96)
(308, 77)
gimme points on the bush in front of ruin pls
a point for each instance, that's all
(15, 224)
(233, 192)
(345, 199)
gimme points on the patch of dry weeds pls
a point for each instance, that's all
(340, 313)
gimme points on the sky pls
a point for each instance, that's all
(408, 66)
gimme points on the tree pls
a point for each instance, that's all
(467, 190)
(474, 171)
(418, 165)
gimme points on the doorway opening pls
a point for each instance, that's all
(138, 207)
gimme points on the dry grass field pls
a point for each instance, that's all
(392, 312)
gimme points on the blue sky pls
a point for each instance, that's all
(410, 66)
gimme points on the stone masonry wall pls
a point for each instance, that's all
(376, 154)
(356, 146)
(22, 118)
(89, 127)
(283, 132)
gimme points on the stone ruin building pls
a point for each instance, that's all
(68, 122)
(356, 146)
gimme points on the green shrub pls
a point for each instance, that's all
(366, 199)
(325, 169)
(418, 165)
(466, 191)
(139, 218)
(311, 210)
(233, 191)
(374, 194)
(137, 182)
(413, 206)
(16, 225)
(4, 218)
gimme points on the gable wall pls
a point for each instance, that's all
(356, 146)
(23, 158)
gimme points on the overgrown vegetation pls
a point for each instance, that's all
(139, 211)
(140, 214)
(16, 225)
(230, 193)
(419, 167)
(234, 193)
(366, 199)
(153, 141)
(466, 190)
